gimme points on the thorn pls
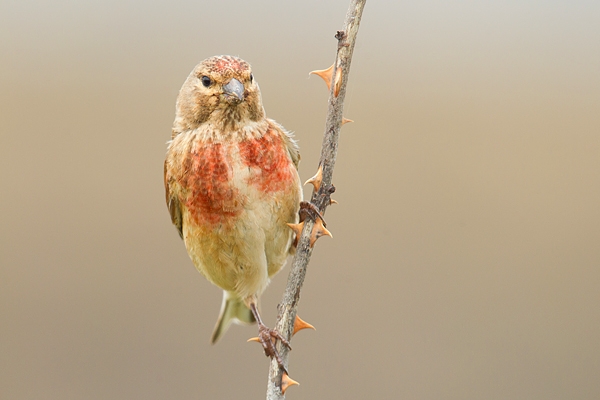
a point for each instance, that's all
(316, 180)
(257, 340)
(318, 231)
(286, 382)
(332, 201)
(299, 324)
(346, 120)
(297, 228)
(325, 74)
(338, 82)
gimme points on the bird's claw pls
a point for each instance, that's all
(311, 210)
(268, 337)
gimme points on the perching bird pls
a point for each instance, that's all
(232, 185)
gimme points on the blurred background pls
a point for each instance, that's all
(465, 262)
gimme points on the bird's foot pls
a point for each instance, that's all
(268, 337)
(319, 229)
(310, 210)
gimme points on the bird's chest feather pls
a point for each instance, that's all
(221, 180)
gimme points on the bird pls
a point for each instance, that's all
(232, 186)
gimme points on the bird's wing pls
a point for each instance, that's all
(290, 143)
(173, 204)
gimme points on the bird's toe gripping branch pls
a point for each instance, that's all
(310, 210)
(267, 337)
(299, 324)
(319, 229)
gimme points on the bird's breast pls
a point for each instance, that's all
(220, 180)
(207, 186)
(269, 163)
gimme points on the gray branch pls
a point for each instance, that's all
(320, 198)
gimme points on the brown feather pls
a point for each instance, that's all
(173, 205)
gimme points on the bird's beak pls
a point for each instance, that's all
(235, 89)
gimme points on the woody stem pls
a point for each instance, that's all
(320, 198)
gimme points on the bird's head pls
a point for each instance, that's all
(220, 91)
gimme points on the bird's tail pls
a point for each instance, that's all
(233, 309)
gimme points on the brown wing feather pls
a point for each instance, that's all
(173, 205)
(289, 141)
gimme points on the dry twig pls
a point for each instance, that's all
(313, 223)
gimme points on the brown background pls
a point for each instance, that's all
(465, 259)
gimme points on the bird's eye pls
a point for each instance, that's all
(251, 78)
(206, 81)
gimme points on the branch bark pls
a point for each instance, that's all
(321, 197)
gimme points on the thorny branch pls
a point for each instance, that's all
(321, 195)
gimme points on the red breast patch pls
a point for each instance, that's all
(211, 197)
(269, 156)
